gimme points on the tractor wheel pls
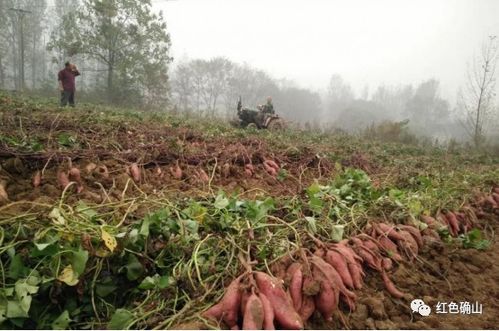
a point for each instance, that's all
(252, 126)
(276, 124)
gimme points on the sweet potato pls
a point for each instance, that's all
(244, 299)
(272, 164)
(62, 179)
(37, 179)
(327, 300)
(416, 234)
(231, 302)
(270, 170)
(253, 314)
(4, 197)
(268, 313)
(353, 262)
(295, 288)
(408, 244)
(390, 287)
(386, 230)
(284, 312)
(347, 252)
(89, 168)
(135, 172)
(496, 190)
(370, 258)
(387, 244)
(387, 263)
(357, 275)
(310, 286)
(74, 176)
(214, 312)
(307, 308)
(496, 197)
(338, 261)
(453, 223)
(332, 275)
(203, 176)
(176, 172)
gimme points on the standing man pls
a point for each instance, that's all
(67, 84)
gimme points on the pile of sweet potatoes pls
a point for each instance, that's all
(256, 301)
(323, 278)
(319, 279)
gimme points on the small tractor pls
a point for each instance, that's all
(258, 118)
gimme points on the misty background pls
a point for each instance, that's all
(357, 66)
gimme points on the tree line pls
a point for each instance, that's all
(122, 49)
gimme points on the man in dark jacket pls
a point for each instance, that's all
(67, 84)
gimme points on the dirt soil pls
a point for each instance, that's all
(442, 273)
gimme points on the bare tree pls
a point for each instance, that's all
(477, 98)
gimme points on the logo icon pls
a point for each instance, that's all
(418, 306)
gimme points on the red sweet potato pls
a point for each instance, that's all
(74, 176)
(387, 244)
(135, 172)
(268, 313)
(253, 314)
(203, 176)
(496, 190)
(387, 263)
(284, 312)
(244, 299)
(453, 223)
(295, 286)
(62, 179)
(270, 170)
(353, 262)
(37, 178)
(176, 172)
(408, 244)
(89, 168)
(390, 287)
(416, 234)
(231, 302)
(214, 312)
(496, 197)
(310, 286)
(332, 275)
(387, 230)
(327, 300)
(338, 261)
(307, 308)
(271, 164)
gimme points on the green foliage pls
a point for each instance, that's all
(128, 39)
(474, 239)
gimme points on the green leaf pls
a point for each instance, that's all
(104, 290)
(79, 261)
(16, 268)
(163, 282)
(61, 322)
(337, 232)
(144, 228)
(311, 224)
(148, 283)
(133, 269)
(121, 319)
(221, 201)
(15, 310)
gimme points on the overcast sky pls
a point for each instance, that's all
(366, 41)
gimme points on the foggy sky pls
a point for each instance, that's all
(368, 42)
